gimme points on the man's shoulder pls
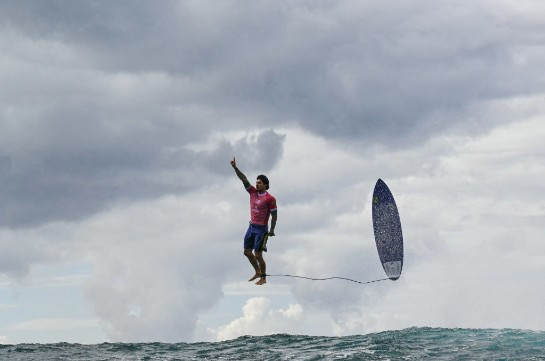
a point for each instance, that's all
(271, 200)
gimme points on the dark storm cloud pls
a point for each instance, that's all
(255, 153)
(347, 69)
(105, 115)
(66, 185)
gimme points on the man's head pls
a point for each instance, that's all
(262, 183)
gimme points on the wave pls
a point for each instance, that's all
(420, 343)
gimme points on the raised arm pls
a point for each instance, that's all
(240, 175)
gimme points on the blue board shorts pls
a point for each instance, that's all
(256, 238)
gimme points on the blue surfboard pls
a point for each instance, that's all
(387, 228)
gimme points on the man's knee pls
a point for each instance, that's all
(248, 253)
(259, 256)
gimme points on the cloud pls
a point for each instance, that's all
(260, 319)
(106, 98)
(154, 265)
(77, 139)
(155, 269)
(343, 70)
(52, 184)
(20, 252)
(119, 121)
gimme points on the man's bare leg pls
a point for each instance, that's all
(248, 253)
(262, 267)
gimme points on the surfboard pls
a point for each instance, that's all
(387, 229)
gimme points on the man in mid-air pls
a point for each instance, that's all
(262, 204)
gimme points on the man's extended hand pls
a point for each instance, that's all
(234, 163)
(271, 234)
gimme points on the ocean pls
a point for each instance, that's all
(409, 344)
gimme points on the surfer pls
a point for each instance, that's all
(262, 204)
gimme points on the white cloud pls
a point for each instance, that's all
(260, 319)
(156, 265)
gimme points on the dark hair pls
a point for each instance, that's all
(264, 179)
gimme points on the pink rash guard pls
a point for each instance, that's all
(261, 206)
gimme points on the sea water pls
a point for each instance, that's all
(408, 344)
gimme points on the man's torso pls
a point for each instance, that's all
(261, 206)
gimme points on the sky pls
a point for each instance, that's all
(121, 219)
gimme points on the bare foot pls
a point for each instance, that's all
(262, 281)
(256, 276)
